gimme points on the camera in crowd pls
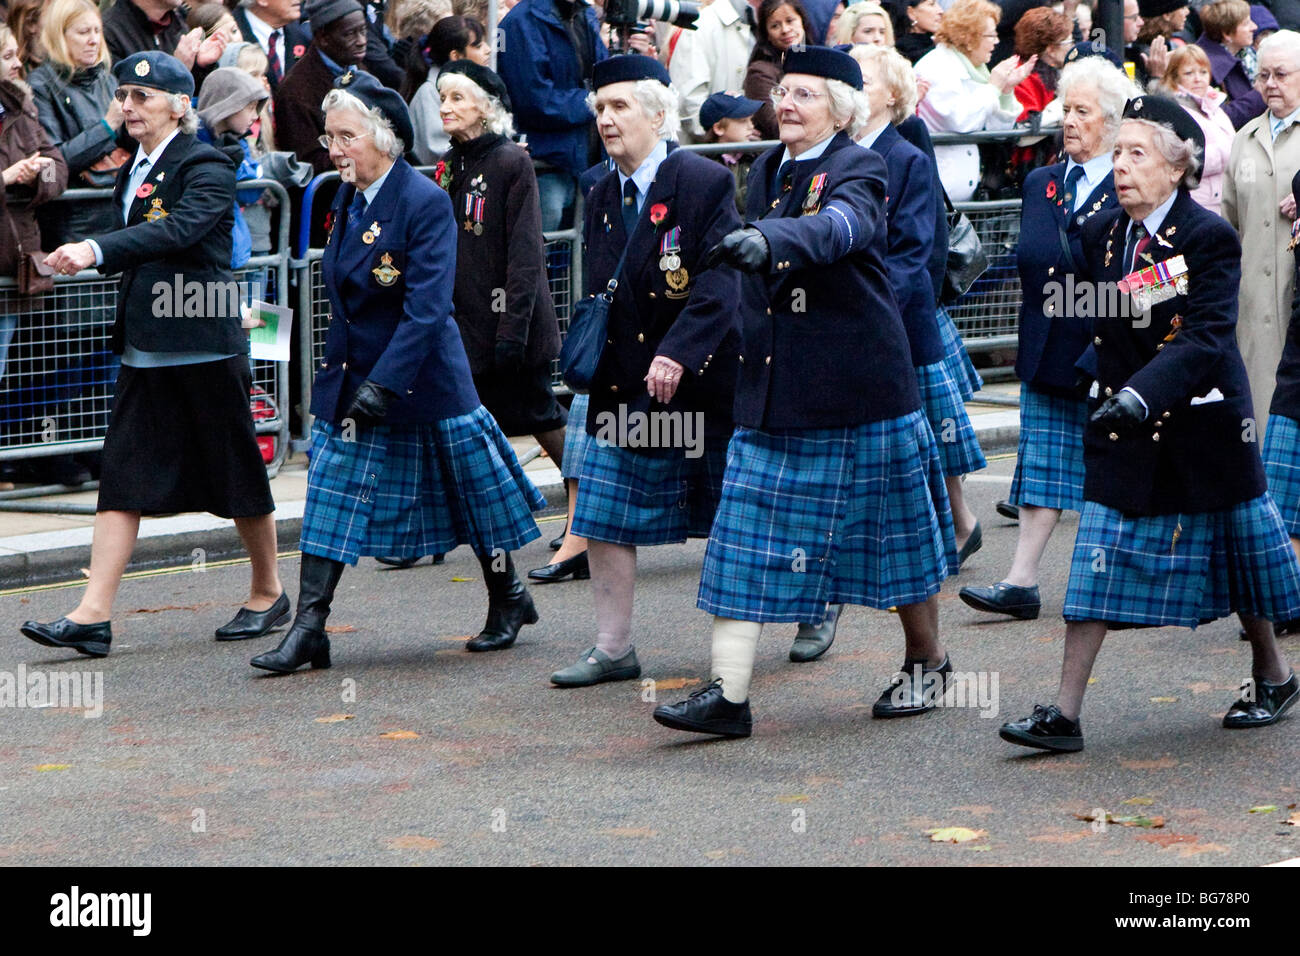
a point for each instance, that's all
(627, 16)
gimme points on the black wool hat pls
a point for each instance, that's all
(155, 69)
(628, 66)
(486, 80)
(321, 13)
(1088, 48)
(377, 96)
(1154, 8)
(824, 62)
(1161, 109)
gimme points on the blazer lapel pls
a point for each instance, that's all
(641, 252)
(155, 176)
(354, 251)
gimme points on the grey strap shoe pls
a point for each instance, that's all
(584, 673)
(812, 641)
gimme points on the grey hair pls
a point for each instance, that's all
(652, 96)
(1283, 41)
(850, 108)
(897, 74)
(1176, 151)
(189, 121)
(381, 130)
(1113, 88)
(495, 117)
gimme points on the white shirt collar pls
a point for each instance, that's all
(1273, 121)
(371, 191)
(644, 174)
(869, 139)
(155, 155)
(262, 32)
(1094, 171)
(1153, 222)
(729, 13)
(813, 153)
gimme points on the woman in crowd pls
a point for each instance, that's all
(1178, 528)
(964, 95)
(214, 18)
(914, 26)
(669, 365)
(1229, 30)
(24, 19)
(865, 22)
(405, 459)
(1058, 200)
(1045, 34)
(452, 40)
(778, 26)
(1187, 79)
(829, 490)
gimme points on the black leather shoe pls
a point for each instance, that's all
(510, 607)
(576, 566)
(1270, 702)
(812, 641)
(1008, 510)
(973, 544)
(1046, 729)
(913, 691)
(1003, 598)
(402, 563)
(302, 645)
(706, 711)
(89, 639)
(557, 543)
(247, 624)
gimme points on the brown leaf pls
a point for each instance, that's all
(414, 842)
(172, 607)
(339, 628)
(1134, 821)
(1160, 763)
(721, 854)
(1168, 839)
(334, 718)
(675, 683)
(1293, 820)
(399, 735)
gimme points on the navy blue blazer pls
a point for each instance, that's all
(1198, 448)
(824, 346)
(391, 318)
(1286, 396)
(1051, 344)
(697, 329)
(910, 211)
(913, 130)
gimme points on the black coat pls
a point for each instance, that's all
(293, 37)
(194, 185)
(1286, 396)
(127, 30)
(913, 130)
(299, 119)
(379, 61)
(647, 317)
(1185, 457)
(824, 345)
(507, 254)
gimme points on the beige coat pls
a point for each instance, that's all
(1258, 178)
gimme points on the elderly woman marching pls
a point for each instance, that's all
(1177, 525)
(1058, 201)
(404, 458)
(659, 414)
(832, 471)
(181, 436)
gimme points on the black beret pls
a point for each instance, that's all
(155, 69)
(377, 96)
(1162, 109)
(725, 106)
(1093, 48)
(1154, 8)
(824, 62)
(480, 76)
(628, 66)
(321, 13)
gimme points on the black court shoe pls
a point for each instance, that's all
(1046, 729)
(248, 624)
(1002, 598)
(89, 639)
(706, 711)
(1270, 702)
(1008, 510)
(907, 696)
(576, 566)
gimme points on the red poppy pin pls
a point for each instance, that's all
(144, 191)
(1051, 189)
(441, 175)
(657, 213)
(329, 221)
(299, 49)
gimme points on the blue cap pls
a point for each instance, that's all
(724, 106)
(1094, 48)
(824, 62)
(1263, 17)
(155, 69)
(377, 96)
(628, 66)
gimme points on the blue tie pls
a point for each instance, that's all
(1071, 182)
(629, 207)
(357, 209)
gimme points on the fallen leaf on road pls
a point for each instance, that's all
(954, 834)
(1266, 808)
(334, 718)
(1293, 820)
(1091, 681)
(463, 580)
(675, 683)
(400, 735)
(42, 767)
(172, 607)
(414, 842)
(1164, 700)
(1168, 839)
(630, 832)
(339, 628)
(1134, 821)
(1139, 801)
(793, 798)
(721, 854)
(1160, 763)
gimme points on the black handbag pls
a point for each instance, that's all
(584, 343)
(967, 259)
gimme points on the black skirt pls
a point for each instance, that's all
(181, 438)
(522, 402)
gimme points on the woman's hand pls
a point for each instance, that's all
(1157, 58)
(663, 378)
(187, 48)
(71, 257)
(922, 87)
(1287, 206)
(1008, 74)
(210, 50)
(26, 170)
(114, 117)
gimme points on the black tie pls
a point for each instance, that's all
(1135, 245)
(1071, 183)
(784, 178)
(629, 207)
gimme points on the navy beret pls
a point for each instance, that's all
(321, 13)
(1093, 48)
(485, 79)
(824, 62)
(628, 66)
(1162, 109)
(723, 106)
(377, 96)
(155, 69)
(1154, 8)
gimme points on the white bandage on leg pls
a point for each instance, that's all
(734, 645)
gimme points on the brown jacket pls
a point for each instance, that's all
(299, 119)
(762, 75)
(21, 134)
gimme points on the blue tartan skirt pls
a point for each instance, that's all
(1049, 462)
(419, 489)
(1281, 454)
(575, 438)
(959, 447)
(838, 515)
(1182, 570)
(955, 356)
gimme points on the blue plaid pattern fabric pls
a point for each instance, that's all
(629, 498)
(959, 446)
(420, 489)
(1281, 454)
(1049, 462)
(575, 437)
(960, 367)
(1135, 571)
(841, 515)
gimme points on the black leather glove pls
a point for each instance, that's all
(370, 404)
(746, 249)
(1120, 413)
(509, 356)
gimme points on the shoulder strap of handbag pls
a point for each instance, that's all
(612, 285)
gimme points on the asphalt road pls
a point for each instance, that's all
(199, 759)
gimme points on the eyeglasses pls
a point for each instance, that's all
(138, 97)
(802, 96)
(1280, 75)
(345, 140)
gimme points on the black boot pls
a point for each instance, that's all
(306, 641)
(510, 606)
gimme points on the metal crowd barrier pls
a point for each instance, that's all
(57, 387)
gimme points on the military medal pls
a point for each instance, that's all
(161, 175)
(1156, 283)
(811, 202)
(474, 213)
(669, 248)
(385, 273)
(1295, 235)
(156, 211)
(677, 279)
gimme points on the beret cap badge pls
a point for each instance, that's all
(142, 68)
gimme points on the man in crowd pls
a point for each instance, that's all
(134, 26)
(273, 25)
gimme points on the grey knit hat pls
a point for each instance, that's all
(227, 91)
(230, 55)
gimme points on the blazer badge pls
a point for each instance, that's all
(385, 273)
